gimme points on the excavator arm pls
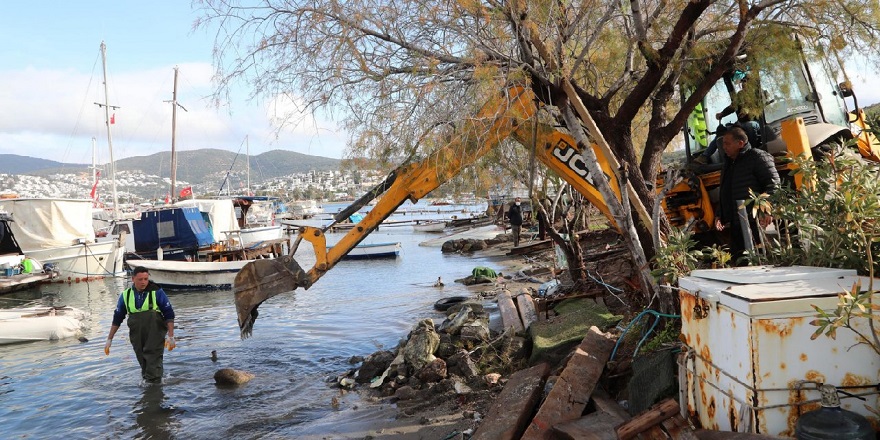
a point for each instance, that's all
(508, 115)
(260, 280)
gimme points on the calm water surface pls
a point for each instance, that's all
(69, 389)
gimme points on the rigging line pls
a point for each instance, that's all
(228, 171)
(79, 115)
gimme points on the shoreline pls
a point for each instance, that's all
(362, 415)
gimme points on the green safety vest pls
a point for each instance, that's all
(128, 297)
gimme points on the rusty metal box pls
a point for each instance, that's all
(749, 364)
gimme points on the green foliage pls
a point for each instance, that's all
(852, 305)
(668, 335)
(679, 257)
(833, 220)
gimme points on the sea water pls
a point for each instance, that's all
(301, 342)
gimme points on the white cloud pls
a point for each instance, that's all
(51, 114)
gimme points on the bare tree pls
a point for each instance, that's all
(403, 75)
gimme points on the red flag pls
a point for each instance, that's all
(95, 187)
(167, 198)
(113, 118)
(186, 192)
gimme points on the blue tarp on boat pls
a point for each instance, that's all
(171, 228)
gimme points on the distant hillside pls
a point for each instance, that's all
(205, 166)
(211, 165)
(15, 164)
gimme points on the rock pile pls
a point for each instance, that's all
(456, 358)
(470, 245)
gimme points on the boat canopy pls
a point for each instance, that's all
(171, 228)
(49, 223)
(218, 214)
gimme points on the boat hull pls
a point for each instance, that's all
(83, 262)
(185, 275)
(39, 324)
(24, 281)
(430, 227)
(375, 250)
(260, 234)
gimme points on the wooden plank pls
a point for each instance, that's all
(572, 390)
(509, 314)
(514, 406)
(526, 306)
(648, 419)
(594, 426)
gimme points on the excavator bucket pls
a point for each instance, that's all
(260, 280)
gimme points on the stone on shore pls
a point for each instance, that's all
(374, 365)
(422, 344)
(232, 377)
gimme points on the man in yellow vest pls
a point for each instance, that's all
(150, 323)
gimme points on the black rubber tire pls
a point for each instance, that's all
(444, 304)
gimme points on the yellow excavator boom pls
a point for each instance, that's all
(510, 114)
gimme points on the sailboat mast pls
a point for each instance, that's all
(109, 134)
(248, 149)
(174, 137)
(94, 159)
(94, 193)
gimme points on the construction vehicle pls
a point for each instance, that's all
(803, 110)
(509, 115)
(797, 124)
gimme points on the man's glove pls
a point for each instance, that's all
(169, 343)
(107, 347)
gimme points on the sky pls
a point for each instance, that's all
(51, 78)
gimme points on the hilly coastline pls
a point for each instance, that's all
(205, 166)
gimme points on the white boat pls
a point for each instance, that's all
(304, 208)
(429, 226)
(59, 233)
(260, 234)
(373, 250)
(42, 323)
(181, 275)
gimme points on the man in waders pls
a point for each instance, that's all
(150, 323)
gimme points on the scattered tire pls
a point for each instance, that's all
(444, 304)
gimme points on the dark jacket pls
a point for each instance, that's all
(515, 215)
(752, 169)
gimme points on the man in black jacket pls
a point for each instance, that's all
(747, 169)
(514, 215)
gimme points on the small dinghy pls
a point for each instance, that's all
(41, 323)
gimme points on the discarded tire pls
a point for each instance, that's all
(443, 304)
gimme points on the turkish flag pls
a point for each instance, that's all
(94, 191)
(113, 118)
(186, 192)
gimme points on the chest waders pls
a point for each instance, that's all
(147, 331)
